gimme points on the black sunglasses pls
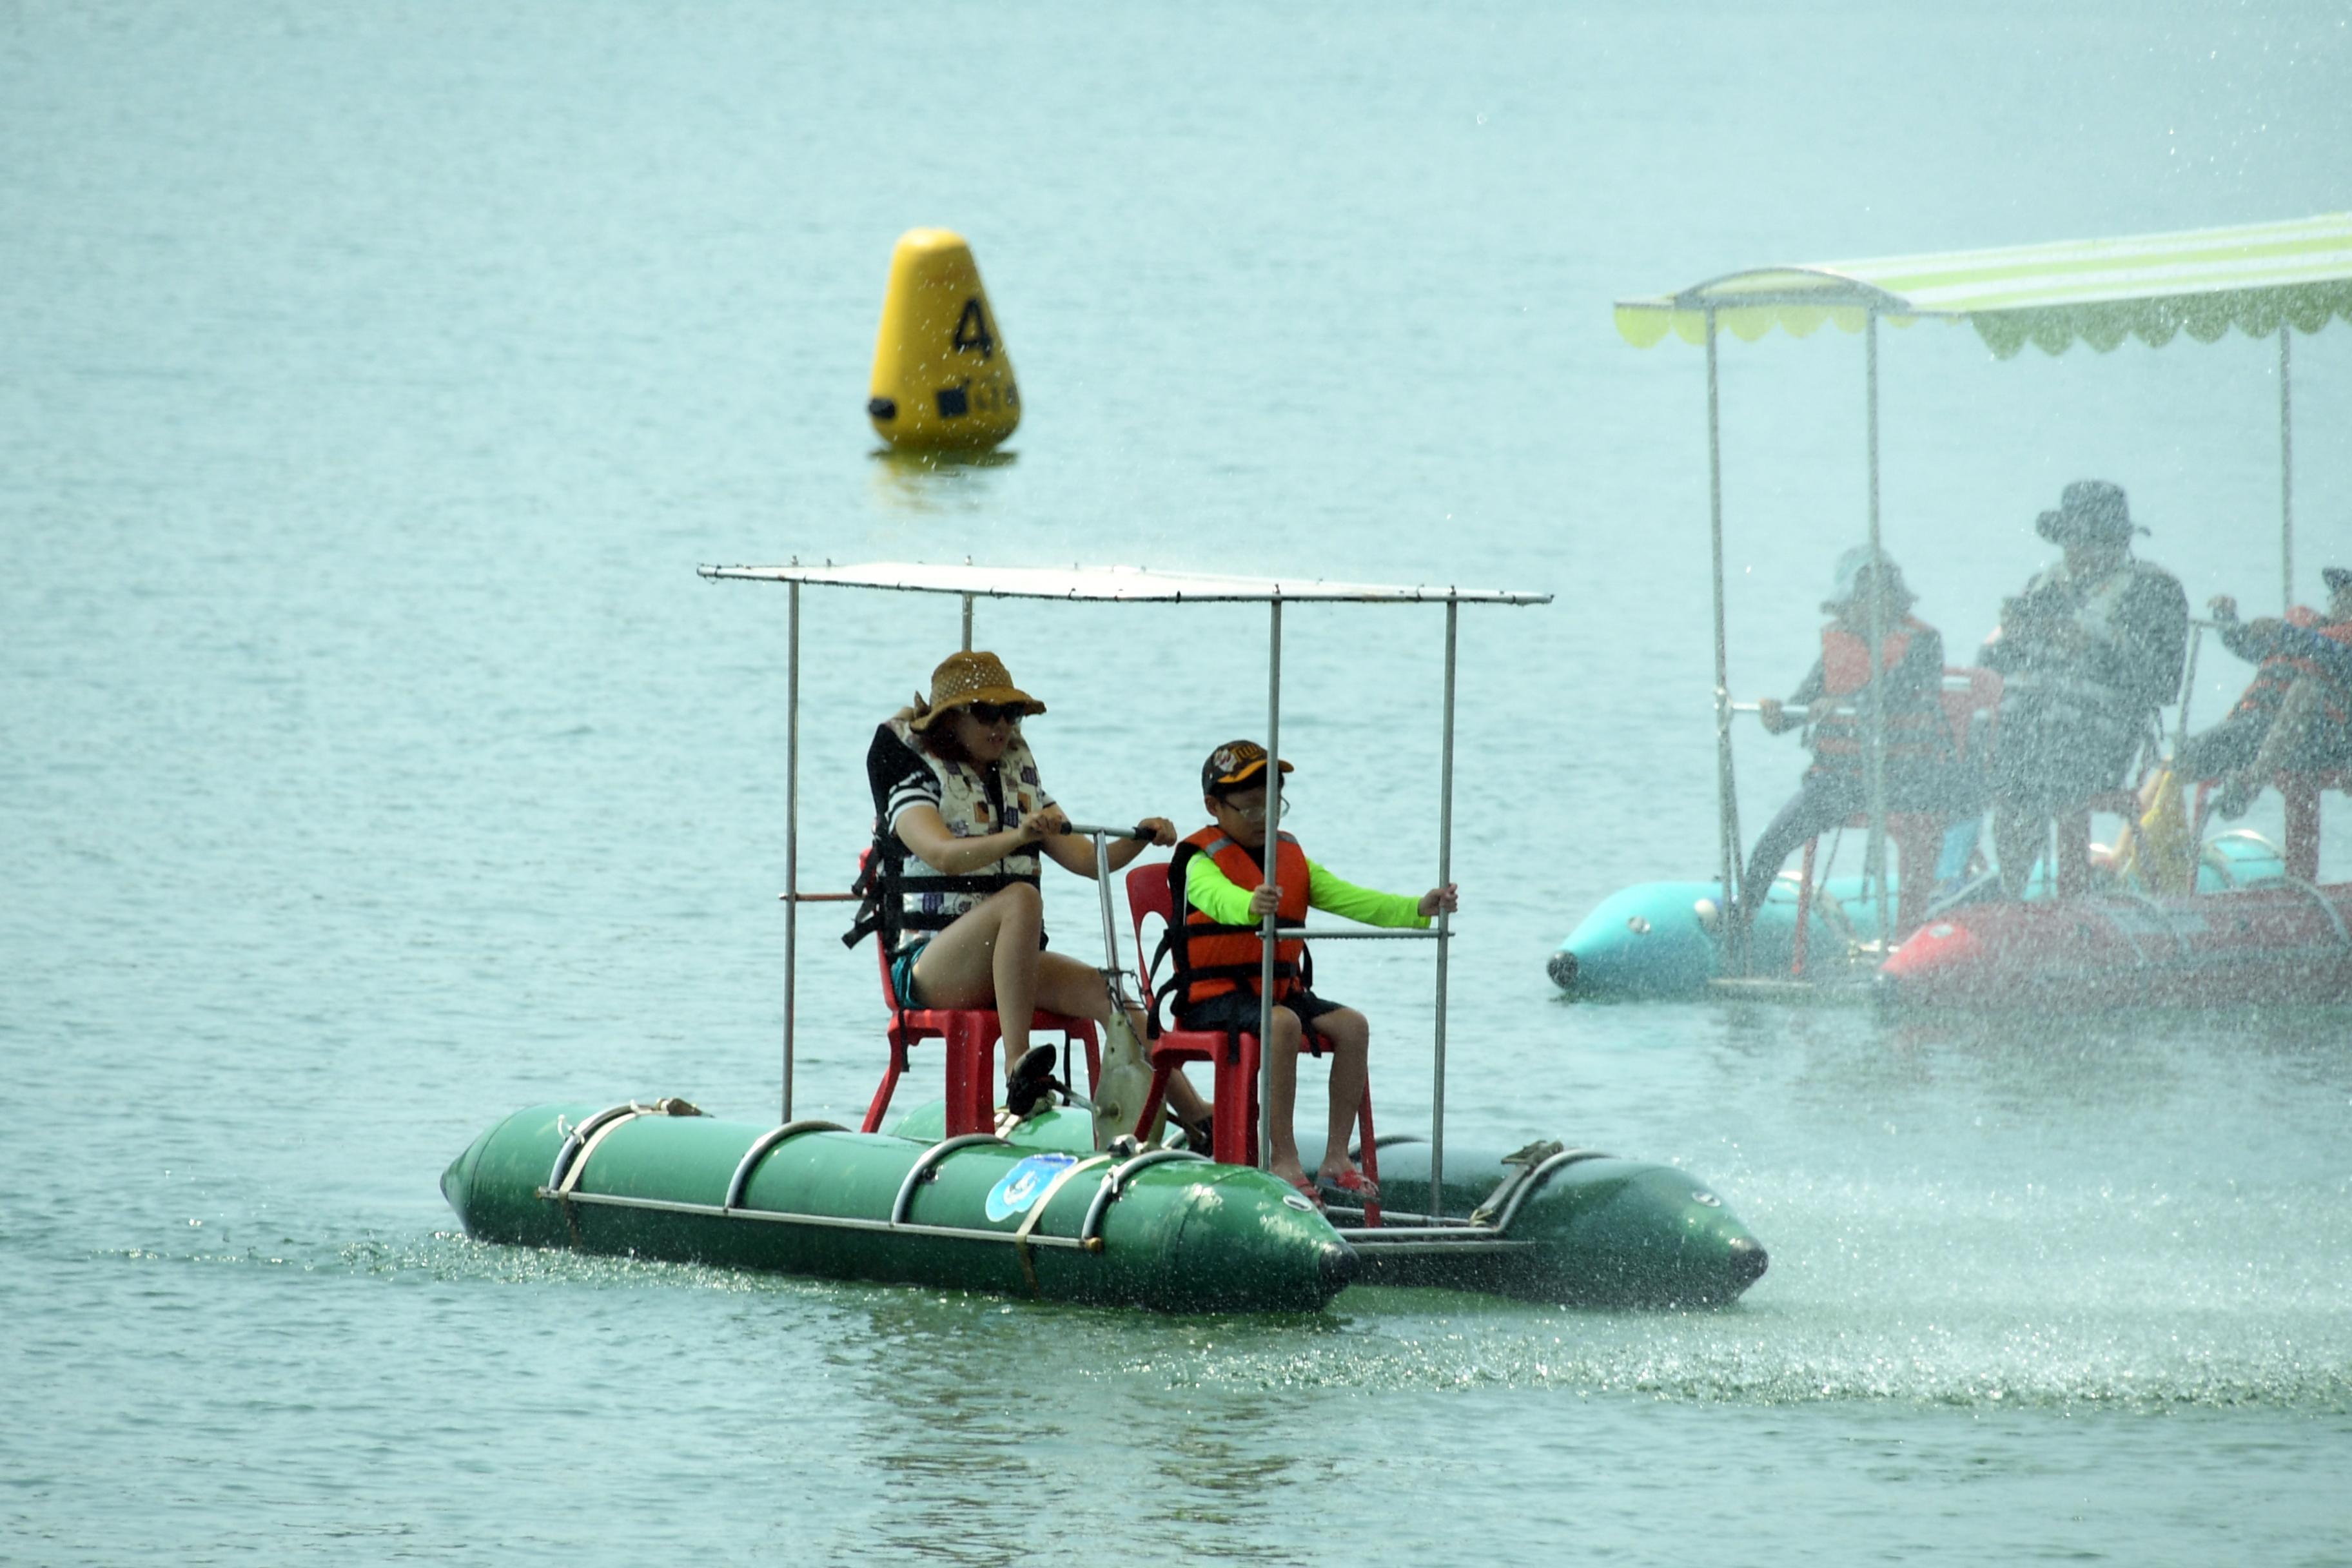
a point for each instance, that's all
(990, 713)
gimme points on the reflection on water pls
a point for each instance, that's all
(936, 483)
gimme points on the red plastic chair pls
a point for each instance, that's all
(970, 1035)
(1233, 1057)
(2302, 792)
(1917, 836)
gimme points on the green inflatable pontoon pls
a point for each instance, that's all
(1037, 1213)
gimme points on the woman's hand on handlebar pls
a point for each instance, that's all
(1162, 831)
(1039, 825)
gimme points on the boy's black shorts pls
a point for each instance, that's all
(1237, 1012)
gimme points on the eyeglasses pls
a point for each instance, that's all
(992, 712)
(1257, 813)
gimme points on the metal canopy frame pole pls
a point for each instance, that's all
(792, 828)
(1445, 922)
(967, 623)
(1269, 934)
(1727, 800)
(2286, 473)
(1874, 703)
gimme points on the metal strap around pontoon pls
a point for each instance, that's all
(2335, 916)
(1022, 1235)
(1536, 1177)
(1116, 1183)
(930, 1157)
(2108, 913)
(2148, 901)
(758, 1151)
(571, 1159)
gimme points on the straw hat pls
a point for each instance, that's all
(964, 678)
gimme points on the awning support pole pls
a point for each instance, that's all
(1874, 717)
(967, 623)
(1268, 933)
(1733, 932)
(1445, 922)
(2286, 474)
(792, 824)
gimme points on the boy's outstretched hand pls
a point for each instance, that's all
(1447, 898)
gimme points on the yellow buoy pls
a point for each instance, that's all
(942, 380)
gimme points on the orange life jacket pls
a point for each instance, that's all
(2276, 674)
(1211, 959)
(1915, 732)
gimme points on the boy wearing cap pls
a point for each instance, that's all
(1223, 890)
(2087, 653)
(2296, 717)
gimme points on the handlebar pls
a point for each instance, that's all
(1083, 831)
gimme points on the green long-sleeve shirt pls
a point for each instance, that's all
(1211, 892)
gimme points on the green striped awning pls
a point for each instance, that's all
(2152, 286)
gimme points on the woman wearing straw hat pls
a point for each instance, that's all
(959, 819)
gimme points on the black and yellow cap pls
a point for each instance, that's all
(1234, 763)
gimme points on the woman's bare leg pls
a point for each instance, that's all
(990, 958)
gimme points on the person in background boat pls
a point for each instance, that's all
(1921, 770)
(2087, 653)
(960, 820)
(2296, 717)
(1222, 888)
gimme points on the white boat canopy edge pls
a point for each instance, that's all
(1123, 583)
(2257, 278)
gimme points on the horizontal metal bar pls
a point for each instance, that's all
(817, 897)
(1345, 934)
(825, 1221)
(1369, 1241)
(1451, 1235)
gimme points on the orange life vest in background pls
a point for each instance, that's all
(2277, 673)
(1918, 731)
(1212, 959)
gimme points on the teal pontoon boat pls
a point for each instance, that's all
(1661, 939)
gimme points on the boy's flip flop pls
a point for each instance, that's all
(1353, 1184)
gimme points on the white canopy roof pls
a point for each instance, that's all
(1132, 584)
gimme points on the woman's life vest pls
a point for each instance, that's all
(903, 896)
(1210, 959)
(1916, 728)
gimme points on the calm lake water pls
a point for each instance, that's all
(372, 761)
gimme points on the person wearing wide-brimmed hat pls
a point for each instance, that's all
(2296, 716)
(960, 819)
(1922, 770)
(2087, 653)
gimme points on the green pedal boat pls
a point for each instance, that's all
(1065, 1199)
